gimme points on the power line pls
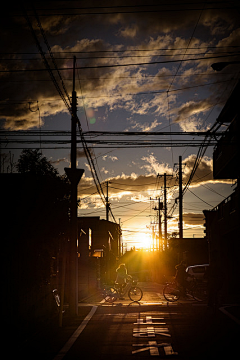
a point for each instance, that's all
(190, 40)
(59, 90)
(124, 50)
(138, 93)
(69, 107)
(116, 65)
(120, 56)
(199, 198)
(51, 55)
(143, 77)
(75, 13)
(110, 133)
(157, 91)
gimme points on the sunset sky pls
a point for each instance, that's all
(140, 68)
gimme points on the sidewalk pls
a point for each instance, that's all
(46, 341)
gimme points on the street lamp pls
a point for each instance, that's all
(221, 65)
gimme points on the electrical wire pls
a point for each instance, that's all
(86, 149)
(51, 54)
(81, 11)
(118, 65)
(59, 90)
(200, 198)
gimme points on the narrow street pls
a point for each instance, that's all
(125, 330)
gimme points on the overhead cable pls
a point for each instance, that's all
(120, 65)
(47, 66)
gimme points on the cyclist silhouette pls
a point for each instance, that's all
(181, 275)
(121, 276)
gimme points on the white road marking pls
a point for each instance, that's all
(153, 346)
(75, 335)
(169, 350)
(150, 331)
(149, 320)
(153, 349)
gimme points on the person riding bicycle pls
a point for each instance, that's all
(121, 276)
(181, 275)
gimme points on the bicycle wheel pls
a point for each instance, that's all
(110, 294)
(171, 292)
(200, 293)
(135, 293)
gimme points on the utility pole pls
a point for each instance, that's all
(180, 203)
(119, 238)
(74, 176)
(165, 205)
(160, 207)
(159, 223)
(107, 205)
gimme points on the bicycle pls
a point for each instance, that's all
(112, 293)
(173, 291)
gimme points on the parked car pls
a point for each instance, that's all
(197, 271)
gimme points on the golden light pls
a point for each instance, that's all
(144, 241)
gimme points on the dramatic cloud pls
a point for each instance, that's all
(204, 171)
(113, 158)
(139, 68)
(195, 219)
(153, 166)
(128, 185)
(58, 161)
(191, 108)
(146, 126)
(115, 87)
(193, 124)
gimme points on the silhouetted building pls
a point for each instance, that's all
(33, 221)
(223, 222)
(98, 247)
(194, 250)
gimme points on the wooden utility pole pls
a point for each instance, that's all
(165, 206)
(160, 207)
(180, 203)
(107, 204)
(74, 176)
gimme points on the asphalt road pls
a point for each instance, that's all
(153, 328)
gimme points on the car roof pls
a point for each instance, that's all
(202, 265)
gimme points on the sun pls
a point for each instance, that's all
(144, 240)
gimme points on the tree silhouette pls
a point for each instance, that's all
(33, 162)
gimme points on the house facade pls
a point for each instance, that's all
(99, 244)
(223, 222)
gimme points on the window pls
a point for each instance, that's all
(90, 239)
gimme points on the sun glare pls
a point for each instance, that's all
(144, 241)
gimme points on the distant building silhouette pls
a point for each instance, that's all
(223, 222)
